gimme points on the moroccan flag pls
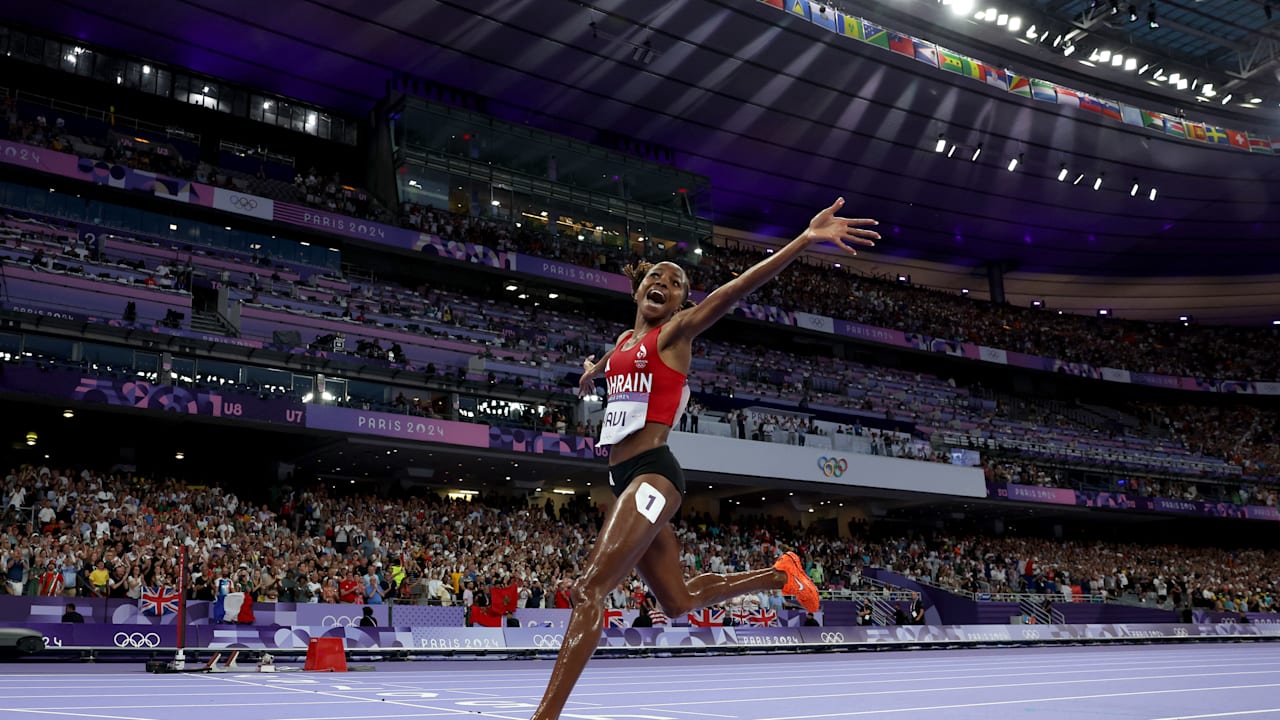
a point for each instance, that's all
(1259, 144)
(926, 53)
(798, 7)
(1174, 126)
(707, 617)
(1020, 85)
(822, 15)
(950, 61)
(1195, 131)
(1215, 135)
(158, 601)
(852, 27)
(1042, 90)
(1152, 120)
(1238, 139)
(503, 600)
(482, 617)
(875, 34)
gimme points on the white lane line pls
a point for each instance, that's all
(904, 691)
(389, 701)
(690, 712)
(75, 714)
(1064, 698)
(882, 680)
(1234, 713)
(286, 703)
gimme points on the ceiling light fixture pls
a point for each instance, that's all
(976, 152)
(1097, 184)
(1013, 163)
(942, 143)
(1152, 22)
(1078, 179)
(1062, 174)
(1133, 191)
(1131, 64)
(1152, 195)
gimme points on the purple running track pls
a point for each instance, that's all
(1154, 682)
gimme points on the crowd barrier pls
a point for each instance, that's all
(414, 640)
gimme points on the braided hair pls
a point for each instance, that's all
(642, 267)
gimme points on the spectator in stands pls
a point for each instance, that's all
(70, 615)
(644, 403)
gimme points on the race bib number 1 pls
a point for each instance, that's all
(650, 502)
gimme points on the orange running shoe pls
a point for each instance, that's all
(798, 582)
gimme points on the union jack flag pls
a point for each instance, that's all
(614, 618)
(740, 616)
(159, 600)
(707, 617)
(763, 618)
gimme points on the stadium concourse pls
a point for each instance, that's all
(294, 304)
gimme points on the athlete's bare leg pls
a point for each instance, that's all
(638, 515)
(660, 568)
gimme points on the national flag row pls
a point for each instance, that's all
(937, 56)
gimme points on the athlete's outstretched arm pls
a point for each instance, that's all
(825, 227)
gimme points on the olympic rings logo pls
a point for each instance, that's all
(833, 466)
(1180, 632)
(136, 640)
(548, 641)
(243, 202)
(832, 637)
(1030, 634)
(333, 621)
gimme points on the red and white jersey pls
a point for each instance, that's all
(641, 389)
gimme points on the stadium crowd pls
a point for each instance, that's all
(85, 532)
(1218, 352)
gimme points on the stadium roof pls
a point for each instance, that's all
(783, 115)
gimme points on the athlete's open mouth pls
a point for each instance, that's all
(656, 296)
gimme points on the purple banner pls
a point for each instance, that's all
(102, 173)
(71, 385)
(407, 427)
(145, 638)
(1123, 501)
(576, 274)
(340, 224)
(544, 443)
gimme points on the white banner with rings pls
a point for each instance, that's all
(243, 203)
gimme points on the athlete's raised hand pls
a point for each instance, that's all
(843, 232)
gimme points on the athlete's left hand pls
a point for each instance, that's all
(840, 231)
